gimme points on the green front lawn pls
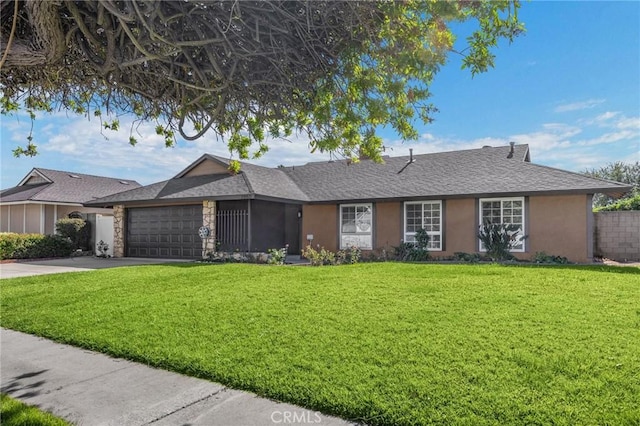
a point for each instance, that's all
(387, 343)
(16, 413)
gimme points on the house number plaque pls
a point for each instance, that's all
(203, 232)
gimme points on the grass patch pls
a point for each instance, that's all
(389, 344)
(16, 413)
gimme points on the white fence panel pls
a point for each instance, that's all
(104, 232)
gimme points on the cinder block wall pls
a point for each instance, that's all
(617, 235)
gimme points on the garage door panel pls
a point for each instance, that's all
(166, 232)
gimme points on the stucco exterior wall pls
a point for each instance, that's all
(38, 218)
(560, 225)
(16, 218)
(557, 225)
(207, 167)
(460, 227)
(388, 225)
(321, 220)
(32, 214)
(617, 235)
(64, 210)
(4, 218)
(50, 218)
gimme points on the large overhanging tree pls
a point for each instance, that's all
(334, 70)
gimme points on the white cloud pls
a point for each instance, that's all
(551, 136)
(628, 123)
(610, 138)
(633, 157)
(429, 143)
(607, 116)
(149, 160)
(75, 144)
(571, 159)
(576, 106)
(617, 127)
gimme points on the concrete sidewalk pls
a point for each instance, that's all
(88, 388)
(74, 264)
(26, 269)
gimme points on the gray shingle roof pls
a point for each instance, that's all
(186, 189)
(476, 172)
(252, 181)
(269, 182)
(67, 187)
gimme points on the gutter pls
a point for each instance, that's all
(49, 203)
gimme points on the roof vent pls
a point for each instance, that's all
(124, 182)
(487, 146)
(74, 176)
(411, 160)
(512, 150)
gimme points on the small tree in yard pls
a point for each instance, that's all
(77, 230)
(414, 251)
(499, 239)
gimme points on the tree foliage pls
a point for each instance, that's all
(628, 203)
(618, 171)
(334, 70)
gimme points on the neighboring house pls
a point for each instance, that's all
(374, 206)
(44, 196)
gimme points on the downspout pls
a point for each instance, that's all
(42, 213)
(249, 225)
(590, 228)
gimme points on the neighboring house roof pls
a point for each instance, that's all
(56, 186)
(486, 171)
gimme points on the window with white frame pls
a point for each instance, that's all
(356, 226)
(426, 215)
(509, 211)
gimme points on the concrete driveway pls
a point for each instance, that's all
(74, 264)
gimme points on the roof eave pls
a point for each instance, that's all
(48, 203)
(614, 193)
(172, 201)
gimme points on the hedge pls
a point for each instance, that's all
(629, 203)
(77, 230)
(33, 246)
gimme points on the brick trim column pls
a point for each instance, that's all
(209, 220)
(118, 230)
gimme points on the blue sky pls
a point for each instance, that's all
(569, 87)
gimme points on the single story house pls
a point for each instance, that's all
(43, 196)
(375, 206)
